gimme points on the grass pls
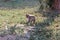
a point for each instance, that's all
(18, 15)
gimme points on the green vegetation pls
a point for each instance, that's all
(46, 23)
(18, 16)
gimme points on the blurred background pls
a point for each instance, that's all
(13, 19)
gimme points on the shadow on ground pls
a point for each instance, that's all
(43, 33)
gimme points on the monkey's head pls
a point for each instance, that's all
(27, 15)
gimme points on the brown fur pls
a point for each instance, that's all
(30, 19)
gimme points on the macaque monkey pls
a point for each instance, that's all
(30, 19)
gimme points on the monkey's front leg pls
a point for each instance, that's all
(33, 23)
(28, 22)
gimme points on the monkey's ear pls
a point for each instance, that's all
(27, 15)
